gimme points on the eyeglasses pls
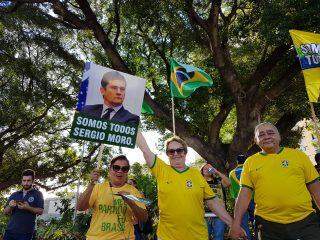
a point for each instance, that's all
(178, 151)
(117, 168)
(116, 88)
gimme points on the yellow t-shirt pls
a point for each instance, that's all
(279, 182)
(180, 201)
(112, 217)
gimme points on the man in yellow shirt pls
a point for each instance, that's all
(181, 193)
(112, 214)
(283, 181)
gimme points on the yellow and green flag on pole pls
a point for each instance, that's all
(185, 79)
(146, 108)
(307, 46)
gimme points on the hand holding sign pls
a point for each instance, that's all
(95, 175)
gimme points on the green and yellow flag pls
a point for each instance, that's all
(307, 46)
(185, 79)
(146, 108)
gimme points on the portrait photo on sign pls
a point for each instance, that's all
(111, 95)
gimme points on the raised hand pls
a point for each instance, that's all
(95, 175)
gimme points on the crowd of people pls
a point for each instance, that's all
(279, 184)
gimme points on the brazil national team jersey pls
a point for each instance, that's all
(180, 201)
(280, 184)
(112, 217)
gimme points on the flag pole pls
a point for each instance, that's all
(99, 157)
(315, 122)
(78, 185)
(172, 103)
(173, 117)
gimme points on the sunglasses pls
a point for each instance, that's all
(117, 168)
(178, 151)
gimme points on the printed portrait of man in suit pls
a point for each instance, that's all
(112, 89)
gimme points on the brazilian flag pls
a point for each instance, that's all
(185, 79)
(146, 108)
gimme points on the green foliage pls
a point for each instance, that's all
(314, 130)
(229, 127)
(37, 94)
(63, 228)
(147, 185)
(3, 218)
(42, 54)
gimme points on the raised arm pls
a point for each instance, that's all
(224, 179)
(83, 202)
(149, 156)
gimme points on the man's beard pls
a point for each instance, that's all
(27, 187)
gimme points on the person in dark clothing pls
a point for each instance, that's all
(23, 206)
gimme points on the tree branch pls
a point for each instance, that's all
(154, 46)
(227, 19)
(283, 83)
(217, 123)
(45, 173)
(266, 66)
(116, 21)
(59, 51)
(51, 188)
(194, 17)
(160, 52)
(287, 121)
(67, 15)
(28, 124)
(221, 54)
(114, 57)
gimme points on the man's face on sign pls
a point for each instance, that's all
(114, 93)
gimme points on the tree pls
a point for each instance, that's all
(37, 95)
(244, 45)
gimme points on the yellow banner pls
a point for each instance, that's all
(307, 46)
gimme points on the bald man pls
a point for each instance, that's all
(283, 181)
(113, 88)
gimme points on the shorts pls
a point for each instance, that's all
(305, 229)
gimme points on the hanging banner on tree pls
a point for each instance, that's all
(109, 106)
(307, 46)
